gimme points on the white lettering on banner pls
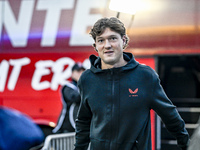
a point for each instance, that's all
(1, 18)
(53, 8)
(42, 69)
(60, 75)
(87, 64)
(18, 30)
(83, 19)
(17, 65)
(4, 67)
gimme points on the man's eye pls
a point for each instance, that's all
(100, 41)
(113, 38)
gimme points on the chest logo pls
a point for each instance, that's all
(133, 93)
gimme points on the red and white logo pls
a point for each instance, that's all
(133, 93)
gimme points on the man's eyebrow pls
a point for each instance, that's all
(113, 35)
(100, 37)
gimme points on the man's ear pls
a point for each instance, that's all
(94, 45)
(125, 41)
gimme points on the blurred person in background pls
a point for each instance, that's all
(117, 94)
(18, 131)
(71, 101)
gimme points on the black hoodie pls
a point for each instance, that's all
(115, 107)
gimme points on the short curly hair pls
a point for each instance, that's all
(113, 23)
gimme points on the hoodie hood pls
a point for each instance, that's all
(96, 63)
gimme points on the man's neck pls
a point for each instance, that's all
(116, 65)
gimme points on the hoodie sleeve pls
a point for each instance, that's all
(83, 122)
(169, 115)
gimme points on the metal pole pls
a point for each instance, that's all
(118, 13)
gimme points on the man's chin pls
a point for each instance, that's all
(109, 62)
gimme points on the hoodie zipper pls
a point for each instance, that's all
(112, 111)
(113, 85)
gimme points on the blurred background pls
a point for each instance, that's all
(40, 40)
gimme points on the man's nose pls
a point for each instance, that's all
(107, 44)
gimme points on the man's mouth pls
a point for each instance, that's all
(109, 52)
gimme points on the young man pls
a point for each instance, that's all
(71, 101)
(117, 94)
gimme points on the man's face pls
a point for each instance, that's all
(110, 48)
